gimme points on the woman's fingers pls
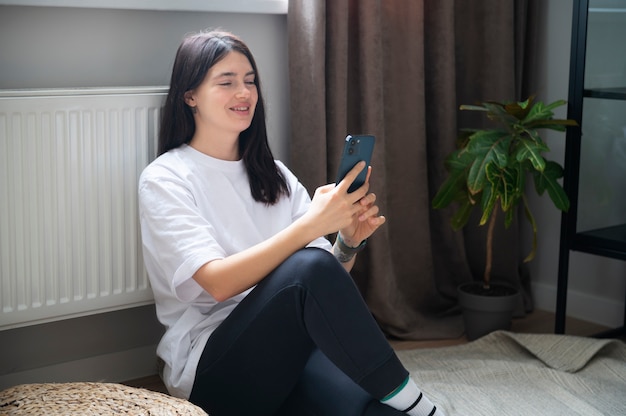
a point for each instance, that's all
(345, 183)
(332, 204)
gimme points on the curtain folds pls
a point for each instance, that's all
(399, 70)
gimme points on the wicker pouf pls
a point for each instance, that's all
(91, 399)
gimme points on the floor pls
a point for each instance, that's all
(536, 322)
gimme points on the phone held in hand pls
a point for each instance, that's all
(356, 148)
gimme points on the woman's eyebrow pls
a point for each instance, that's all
(233, 74)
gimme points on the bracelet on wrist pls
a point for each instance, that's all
(343, 252)
(346, 247)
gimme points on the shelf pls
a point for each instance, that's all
(609, 241)
(608, 93)
(615, 233)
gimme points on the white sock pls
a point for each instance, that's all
(409, 399)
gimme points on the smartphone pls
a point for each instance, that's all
(355, 149)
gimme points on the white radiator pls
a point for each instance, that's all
(69, 235)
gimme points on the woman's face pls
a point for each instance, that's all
(227, 97)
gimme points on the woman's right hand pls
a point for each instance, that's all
(332, 207)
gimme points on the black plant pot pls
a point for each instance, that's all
(486, 311)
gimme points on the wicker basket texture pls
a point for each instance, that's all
(90, 399)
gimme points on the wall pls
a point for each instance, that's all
(60, 47)
(597, 284)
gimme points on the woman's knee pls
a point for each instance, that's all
(311, 270)
(314, 264)
(312, 257)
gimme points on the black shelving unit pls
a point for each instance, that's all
(606, 93)
(608, 240)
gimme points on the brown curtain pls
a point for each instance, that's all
(400, 69)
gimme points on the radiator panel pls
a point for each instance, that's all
(69, 233)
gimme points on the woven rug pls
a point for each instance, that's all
(507, 374)
(87, 399)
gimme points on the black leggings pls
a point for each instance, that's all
(269, 357)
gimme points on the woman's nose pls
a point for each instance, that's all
(244, 90)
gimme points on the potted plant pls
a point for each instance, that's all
(488, 171)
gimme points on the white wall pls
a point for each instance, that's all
(597, 284)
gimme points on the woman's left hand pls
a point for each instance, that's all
(365, 221)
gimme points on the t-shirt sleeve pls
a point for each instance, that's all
(176, 238)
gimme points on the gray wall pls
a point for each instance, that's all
(58, 47)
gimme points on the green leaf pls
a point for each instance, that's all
(519, 109)
(491, 143)
(540, 111)
(531, 150)
(461, 216)
(488, 201)
(499, 113)
(558, 196)
(487, 147)
(449, 190)
(547, 180)
(552, 124)
(504, 184)
(473, 107)
(459, 160)
(476, 178)
(555, 104)
(551, 172)
(509, 216)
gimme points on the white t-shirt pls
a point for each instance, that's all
(194, 209)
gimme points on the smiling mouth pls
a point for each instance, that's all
(240, 109)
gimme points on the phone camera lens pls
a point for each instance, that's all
(352, 142)
(350, 151)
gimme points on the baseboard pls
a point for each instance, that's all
(113, 367)
(590, 308)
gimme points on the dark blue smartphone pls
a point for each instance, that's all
(355, 149)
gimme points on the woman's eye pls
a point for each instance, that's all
(226, 84)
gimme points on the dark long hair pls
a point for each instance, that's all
(195, 56)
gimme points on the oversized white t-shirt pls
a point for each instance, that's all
(194, 209)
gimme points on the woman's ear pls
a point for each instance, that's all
(189, 100)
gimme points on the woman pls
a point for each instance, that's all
(260, 317)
